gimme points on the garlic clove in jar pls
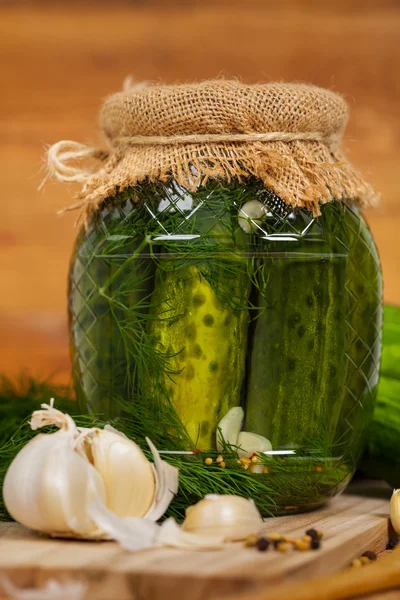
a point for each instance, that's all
(127, 474)
(395, 510)
(252, 443)
(232, 517)
(251, 214)
(229, 427)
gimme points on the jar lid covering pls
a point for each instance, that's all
(287, 135)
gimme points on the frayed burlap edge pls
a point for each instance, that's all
(305, 174)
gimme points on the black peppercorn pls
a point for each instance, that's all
(315, 544)
(369, 554)
(314, 534)
(262, 544)
(392, 544)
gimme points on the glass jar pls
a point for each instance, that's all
(183, 307)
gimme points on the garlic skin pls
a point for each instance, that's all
(231, 517)
(37, 488)
(250, 214)
(395, 510)
(167, 484)
(132, 533)
(229, 427)
(251, 443)
(171, 534)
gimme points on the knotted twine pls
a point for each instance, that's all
(286, 135)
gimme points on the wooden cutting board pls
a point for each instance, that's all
(351, 524)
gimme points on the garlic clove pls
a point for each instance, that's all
(127, 474)
(251, 214)
(251, 443)
(132, 533)
(395, 510)
(232, 517)
(167, 483)
(171, 534)
(229, 427)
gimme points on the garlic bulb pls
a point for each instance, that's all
(56, 477)
(250, 215)
(232, 517)
(251, 443)
(395, 510)
(48, 484)
(229, 427)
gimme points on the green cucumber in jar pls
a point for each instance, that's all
(297, 364)
(199, 323)
(204, 342)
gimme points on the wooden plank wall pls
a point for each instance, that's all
(58, 59)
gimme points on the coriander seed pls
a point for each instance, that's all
(251, 541)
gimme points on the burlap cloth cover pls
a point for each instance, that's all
(287, 135)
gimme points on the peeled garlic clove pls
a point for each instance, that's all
(251, 443)
(395, 510)
(250, 214)
(232, 517)
(127, 474)
(229, 427)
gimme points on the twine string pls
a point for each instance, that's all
(67, 160)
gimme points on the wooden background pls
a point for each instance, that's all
(58, 59)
